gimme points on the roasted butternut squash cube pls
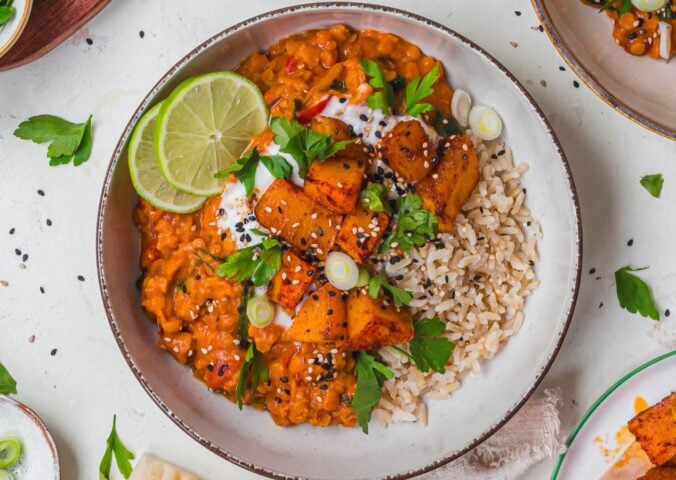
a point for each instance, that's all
(321, 319)
(360, 233)
(291, 282)
(373, 324)
(336, 182)
(449, 186)
(660, 473)
(655, 430)
(339, 131)
(288, 212)
(408, 151)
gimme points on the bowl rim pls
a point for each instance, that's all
(18, 31)
(574, 63)
(376, 9)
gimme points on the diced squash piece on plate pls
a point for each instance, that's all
(660, 473)
(291, 282)
(449, 186)
(288, 212)
(655, 430)
(408, 150)
(360, 233)
(336, 182)
(373, 324)
(339, 131)
(321, 319)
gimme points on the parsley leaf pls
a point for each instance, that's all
(400, 296)
(244, 169)
(258, 263)
(653, 184)
(114, 446)
(6, 13)
(67, 141)
(278, 166)
(7, 382)
(625, 6)
(253, 368)
(419, 89)
(242, 319)
(446, 125)
(634, 294)
(303, 144)
(414, 225)
(383, 99)
(429, 348)
(370, 378)
(373, 197)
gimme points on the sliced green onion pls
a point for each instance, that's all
(341, 271)
(10, 451)
(364, 277)
(260, 311)
(649, 5)
(6, 475)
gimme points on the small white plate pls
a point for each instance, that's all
(11, 31)
(593, 445)
(39, 458)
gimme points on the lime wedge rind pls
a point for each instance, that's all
(205, 125)
(145, 172)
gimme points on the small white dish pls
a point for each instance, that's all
(599, 439)
(12, 30)
(39, 458)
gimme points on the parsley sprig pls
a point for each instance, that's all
(303, 144)
(258, 262)
(383, 98)
(114, 446)
(6, 11)
(374, 197)
(243, 319)
(653, 184)
(634, 294)
(429, 348)
(245, 169)
(371, 374)
(7, 382)
(413, 225)
(379, 281)
(418, 89)
(253, 370)
(67, 141)
(625, 6)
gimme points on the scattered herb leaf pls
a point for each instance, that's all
(446, 125)
(400, 296)
(371, 375)
(634, 294)
(242, 319)
(384, 98)
(278, 166)
(252, 368)
(244, 169)
(414, 225)
(653, 184)
(258, 263)
(429, 348)
(114, 446)
(419, 89)
(7, 382)
(373, 197)
(6, 13)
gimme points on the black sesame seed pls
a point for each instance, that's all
(379, 134)
(81, 278)
(323, 386)
(630, 242)
(12, 230)
(210, 367)
(576, 84)
(25, 257)
(517, 13)
(540, 28)
(363, 117)
(141, 34)
(667, 312)
(224, 235)
(53, 352)
(42, 289)
(309, 273)
(601, 305)
(283, 379)
(303, 241)
(632, 35)
(49, 222)
(329, 311)
(315, 297)
(89, 41)
(332, 293)
(592, 271)
(17, 251)
(343, 100)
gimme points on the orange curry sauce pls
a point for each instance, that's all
(197, 311)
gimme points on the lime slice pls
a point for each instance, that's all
(145, 172)
(205, 125)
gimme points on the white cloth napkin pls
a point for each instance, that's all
(529, 437)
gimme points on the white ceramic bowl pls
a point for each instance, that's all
(485, 401)
(11, 31)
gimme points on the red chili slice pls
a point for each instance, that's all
(306, 116)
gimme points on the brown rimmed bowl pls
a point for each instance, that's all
(485, 401)
(640, 88)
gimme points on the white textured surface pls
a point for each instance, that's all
(77, 390)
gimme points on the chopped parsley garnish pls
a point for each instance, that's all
(414, 225)
(429, 348)
(242, 319)
(446, 125)
(7, 382)
(624, 7)
(245, 169)
(304, 144)
(67, 141)
(382, 99)
(114, 446)
(371, 375)
(374, 197)
(6, 11)
(653, 184)
(258, 262)
(634, 294)
(377, 282)
(419, 89)
(253, 368)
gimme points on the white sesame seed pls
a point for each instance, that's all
(167, 339)
(319, 399)
(268, 209)
(237, 357)
(204, 351)
(298, 268)
(175, 349)
(295, 225)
